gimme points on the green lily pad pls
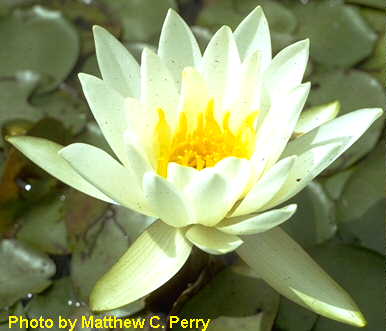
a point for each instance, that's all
(361, 273)
(339, 35)
(354, 89)
(136, 49)
(375, 18)
(43, 226)
(141, 19)
(23, 271)
(377, 61)
(369, 3)
(361, 209)
(30, 41)
(248, 323)
(14, 93)
(92, 135)
(58, 300)
(89, 262)
(90, 66)
(235, 294)
(70, 110)
(314, 221)
(17, 311)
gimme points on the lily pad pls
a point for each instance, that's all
(354, 89)
(369, 3)
(30, 42)
(89, 262)
(58, 300)
(17, 311)
(43, 226)
(70, 110)
(339, 35)
(141, 19)
(377, 61)
(90, 66)
(361, 273)
(23, 270)
(14, 93)
(234, 294)
(361, 209)
(314, 221)
(375, 18)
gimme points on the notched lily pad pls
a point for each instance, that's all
(339, 35)
(30, 41)
(314, 221)
(361, 209)
(23, 270)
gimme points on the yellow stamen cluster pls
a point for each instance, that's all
(204, 145)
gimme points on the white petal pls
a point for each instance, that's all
(178, 47)
(265, 188)
(287, 68)
(109, 176)
(109, 110)
(349, 127)
(307, 166)
(45, 154)
(118, 67)
(158, 89)
(155, 257)
(316, 116)
(253, 35)
(213, 191)
(252, 224)
(181, 176)
(166, 201)
(211, 240)
(284, 265)
(279, 124)
(221, 66)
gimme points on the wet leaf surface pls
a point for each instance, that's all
(24, 270)
(29, 42)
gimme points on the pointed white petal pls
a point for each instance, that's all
(118, 67)
(213, 191)
(105, 173)
(253, 35)
(265, 188)
(109, 110)
(155, 257)
(349, 127)
(287, 68)
(158, 89)
(306, 167)
(166, 201)
(279, 124)
(211, 240)
(316, 116)
(252, 224)
(181, 176)
(45, 154)
(221, 66)
(178, 47)
(284, 265)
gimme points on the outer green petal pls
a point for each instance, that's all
(316, 116)
(253, 35)
(108, 175)
(109, 109)
(284, 265)
(166, 200)
(155, 257)
(45, 154)
(287, 68)
(252, 224)
(211, 240)
(118, 67)
(265, 188)
(178, 47)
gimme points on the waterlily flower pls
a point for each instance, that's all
(203, 143)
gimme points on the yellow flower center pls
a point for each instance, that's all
(207, 143)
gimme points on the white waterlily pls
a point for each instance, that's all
(203, 144)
